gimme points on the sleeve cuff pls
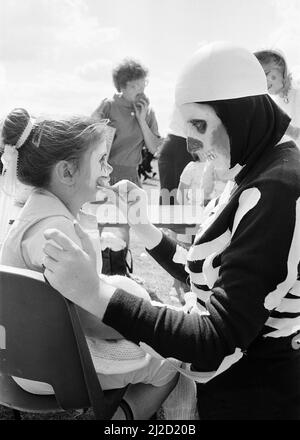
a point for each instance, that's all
(121, 309)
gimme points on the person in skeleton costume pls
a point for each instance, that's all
(241, 341)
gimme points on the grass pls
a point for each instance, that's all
(155, 278)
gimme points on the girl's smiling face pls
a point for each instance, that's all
(207, 137)
(93, 172)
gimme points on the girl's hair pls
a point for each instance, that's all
(128, 70)
(49, 142)
(269, 56)
(266, 56)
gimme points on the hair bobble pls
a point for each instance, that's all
(26, 133)
(9, 183)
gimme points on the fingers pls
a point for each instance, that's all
(136, 196)
(142, 102)
(140, 109)
(85, 239)
(123, 187)
(60, 238)
(49, 263)
(52, 251)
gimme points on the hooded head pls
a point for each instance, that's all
(229, 117)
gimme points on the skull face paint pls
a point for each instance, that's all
(207, 137)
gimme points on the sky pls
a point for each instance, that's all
(56, 56)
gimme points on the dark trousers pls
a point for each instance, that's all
(263, 385)
(171, 162)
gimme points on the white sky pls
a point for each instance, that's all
(57, 55)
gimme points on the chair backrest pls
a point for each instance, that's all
(37, 339)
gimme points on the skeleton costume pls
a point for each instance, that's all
(242, 345)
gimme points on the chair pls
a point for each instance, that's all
(41, 339)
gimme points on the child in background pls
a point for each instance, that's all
(196, 183)
(282, 88)
(191, 190)
(66, 163)
(200, 182)
(215, 179)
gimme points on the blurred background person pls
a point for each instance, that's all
(132, 117)
(282, 88)
(135, 127)
(173, 158)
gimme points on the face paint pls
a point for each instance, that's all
(206, 135)
(94, 172)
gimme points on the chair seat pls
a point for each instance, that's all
(13, 396)
(36, 324)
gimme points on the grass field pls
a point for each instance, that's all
(155, 278)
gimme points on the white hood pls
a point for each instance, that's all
(220, 71)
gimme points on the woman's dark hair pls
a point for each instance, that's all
(49, 142)
(128, 70)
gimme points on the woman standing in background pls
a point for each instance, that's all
(135, 124)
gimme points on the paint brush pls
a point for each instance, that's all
(110, 188)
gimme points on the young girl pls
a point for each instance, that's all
(66, 163)
(190, 190)
(282, 88)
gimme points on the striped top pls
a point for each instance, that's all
(244, 268)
